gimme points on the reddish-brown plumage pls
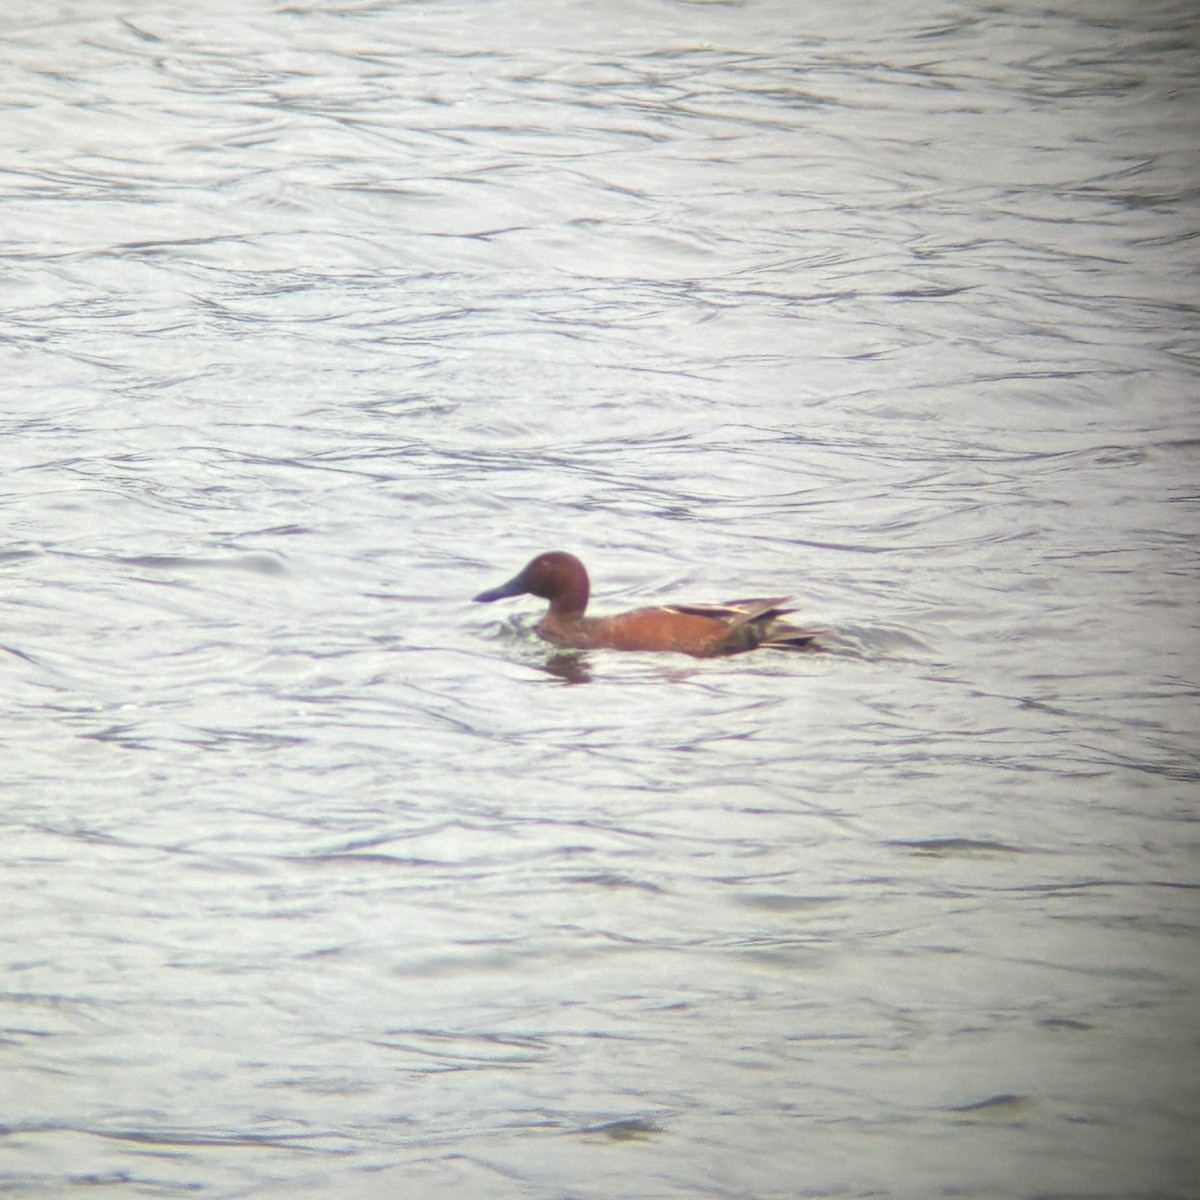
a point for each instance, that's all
(697, 629)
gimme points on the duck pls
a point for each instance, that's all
(701, 630)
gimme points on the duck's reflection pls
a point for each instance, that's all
(570, 668)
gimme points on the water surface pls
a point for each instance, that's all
(321, 881)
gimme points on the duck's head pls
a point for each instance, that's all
(555, 576)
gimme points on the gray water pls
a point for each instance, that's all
(319, 880)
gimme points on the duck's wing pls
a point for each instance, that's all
(755, 622)
(757, 609)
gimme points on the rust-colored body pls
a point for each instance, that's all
(702, 630)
